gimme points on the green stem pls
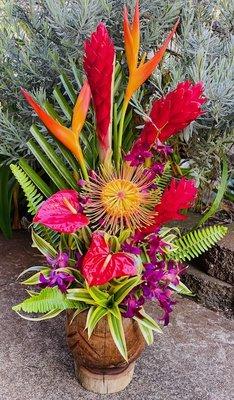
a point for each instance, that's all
(121, 129)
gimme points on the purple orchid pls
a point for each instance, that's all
(138, 156)
(133, 304)
(56, 278)
(129, 248)
(60, 261)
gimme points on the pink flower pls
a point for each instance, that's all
(99, 67)
(100, 265)
(62, 212)
(171, 114)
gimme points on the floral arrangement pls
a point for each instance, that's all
(105, 236)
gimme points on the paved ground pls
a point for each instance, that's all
(192, 360)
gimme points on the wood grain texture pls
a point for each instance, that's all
(99, 353)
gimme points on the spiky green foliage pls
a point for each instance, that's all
(34, 198)
(196, 242)
(47, 300)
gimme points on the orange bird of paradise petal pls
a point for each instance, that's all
(139, 74)
(69, 137)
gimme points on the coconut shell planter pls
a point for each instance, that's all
(100, 216)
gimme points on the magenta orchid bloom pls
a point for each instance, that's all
(62, 212)
(100, 265)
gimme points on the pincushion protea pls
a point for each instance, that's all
(99, 61)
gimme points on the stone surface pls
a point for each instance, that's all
(191, 360)
(219, 260)
(209, 291)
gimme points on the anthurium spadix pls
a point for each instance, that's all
(99, 60)
(69, 137)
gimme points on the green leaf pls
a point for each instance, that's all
(47, 299)
(95, 314)
(80, 295)
(219, 196)
(98, 295)
(148, 321)
(117, 332)
(124, 288)
(147, 333)
(35, 178)
(65, 107)
(43, 246)
(181, 289)
(34, 198)
(48, 315)
(68, 87)
(46, 165)
(53, 157)
(194, 243)
(34, 279)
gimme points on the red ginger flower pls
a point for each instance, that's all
(178, 196)
(171, 114)
(62, 212)
(99, 265)
(99, 61)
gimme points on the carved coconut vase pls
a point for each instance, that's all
(99, 366)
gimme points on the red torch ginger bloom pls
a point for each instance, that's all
(99, 61)
(61, 212)
(178, 196)
(100, 265)
(170, 115)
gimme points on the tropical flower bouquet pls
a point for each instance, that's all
(102, 210)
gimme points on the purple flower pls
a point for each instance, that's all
(163, 148)
(133, 304)
(56, 278)
(138, 156)
(129, 248)
(60, 261)
(156, 246)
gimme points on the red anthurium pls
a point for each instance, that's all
(99, 61)
(176, 197)
(61, 212)
(171, 114)
(100, 265)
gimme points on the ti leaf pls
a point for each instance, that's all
(117, 332)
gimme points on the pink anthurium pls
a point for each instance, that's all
(100, 265)
(62, 212)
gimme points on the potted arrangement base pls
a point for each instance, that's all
(99, 366)
(100, 216)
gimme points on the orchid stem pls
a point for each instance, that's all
(121, 128)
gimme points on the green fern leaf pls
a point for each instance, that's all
(197, 242)
(32, 195)
(48, 299)
(163, 180)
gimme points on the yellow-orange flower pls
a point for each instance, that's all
(119, 200)
(69, 137)
(139, 73)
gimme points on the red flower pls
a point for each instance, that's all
(99, 67)
(171, 114)
(100, 265)
(61, 212)
(178, 196)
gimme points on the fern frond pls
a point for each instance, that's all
(48, 299)
(34, 198)
(196, 242)
(163, 180)
(46, 233)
